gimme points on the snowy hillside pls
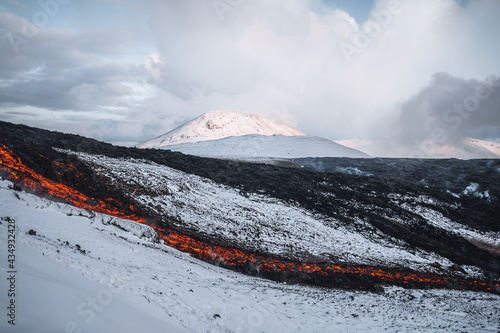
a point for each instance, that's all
(491, 146)
(220, 124)
(255, 146)
(237, 135)
(465, 149)
(365, 146)
(84, 271)
(384, 215)
(273, 225)
(322, 232)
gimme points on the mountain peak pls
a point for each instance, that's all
(216, 125)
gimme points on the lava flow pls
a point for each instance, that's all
(324, 274)
(16, 171)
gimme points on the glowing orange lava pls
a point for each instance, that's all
(17, 171)
(229, 257)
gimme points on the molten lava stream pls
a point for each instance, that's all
(323, 274)
(17, 171)
(239, 259)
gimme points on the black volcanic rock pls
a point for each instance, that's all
(376, 191)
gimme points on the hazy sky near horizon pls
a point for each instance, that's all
(120, 70)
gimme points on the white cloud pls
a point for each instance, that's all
(154, 65)
(266, 56)
(292, 58)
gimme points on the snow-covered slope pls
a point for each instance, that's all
(465, 149)
(491, 146)
(82, 272)
(224, 213)
(256, 146)
(358, 144)
(220, 124)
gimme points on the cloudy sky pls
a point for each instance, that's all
(120, 70)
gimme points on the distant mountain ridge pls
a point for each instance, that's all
(216, 125)
(245, 136)
(465, 149)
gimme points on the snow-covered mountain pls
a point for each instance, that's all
(238, 135)
(216, 125)
(254, 147)
(465, 149)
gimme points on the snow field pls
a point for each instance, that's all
(274, 226)
(135, 285)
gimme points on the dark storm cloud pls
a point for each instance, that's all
(448, 109)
